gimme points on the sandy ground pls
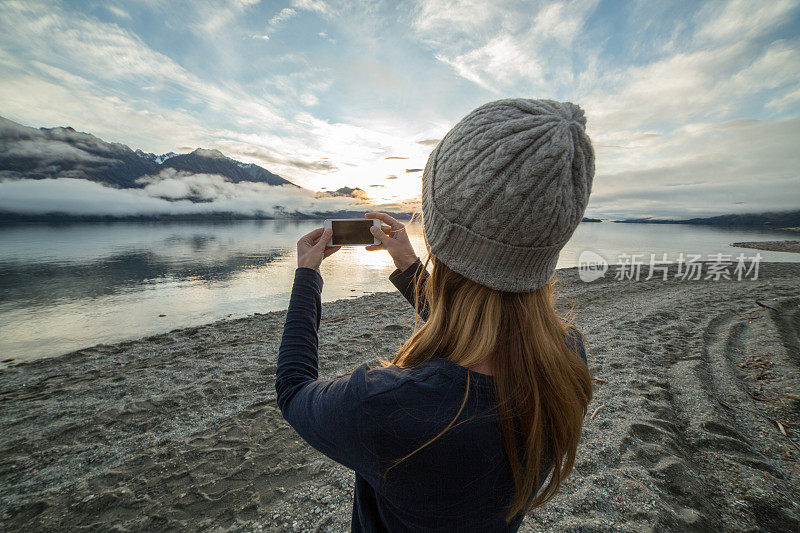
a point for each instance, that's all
(181, 430)
(775, 246)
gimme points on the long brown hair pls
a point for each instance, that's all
(542, 388)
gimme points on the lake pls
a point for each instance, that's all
(66, 287)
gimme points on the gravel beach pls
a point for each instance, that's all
(774, 246)
(695, 423)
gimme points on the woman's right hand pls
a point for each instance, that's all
(394, 239)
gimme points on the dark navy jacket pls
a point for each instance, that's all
(368, 419)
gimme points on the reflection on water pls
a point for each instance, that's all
(67, 287)
(41, 284)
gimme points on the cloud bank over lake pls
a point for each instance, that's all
(165, 194)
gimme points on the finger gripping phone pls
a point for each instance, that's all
(352, 231)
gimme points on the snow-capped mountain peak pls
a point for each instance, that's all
(154, 158)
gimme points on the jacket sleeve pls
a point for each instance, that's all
(405, 280)
(330, 415)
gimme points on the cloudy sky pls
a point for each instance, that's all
(693, 107)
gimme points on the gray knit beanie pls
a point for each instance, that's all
(505, 189)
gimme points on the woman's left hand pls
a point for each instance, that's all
(311, 249)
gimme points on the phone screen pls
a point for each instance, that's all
(352, 232)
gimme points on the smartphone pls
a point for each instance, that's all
(352, 231)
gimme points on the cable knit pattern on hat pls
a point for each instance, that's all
(505, 189)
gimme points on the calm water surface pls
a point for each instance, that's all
(67, 287)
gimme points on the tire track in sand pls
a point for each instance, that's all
(695, 434)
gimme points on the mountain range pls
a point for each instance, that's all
(62, 152)
(201, 177)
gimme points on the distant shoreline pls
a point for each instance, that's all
(789, 220)
(14, 218)
(61, 218)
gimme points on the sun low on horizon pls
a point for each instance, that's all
(693, 107)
